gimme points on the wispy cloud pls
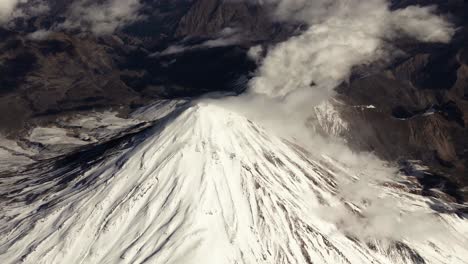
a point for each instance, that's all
(227, 37)
(6, 9)
(102, 17)
(302, 72)
(99, 17)
(341, 35)
(10, 9)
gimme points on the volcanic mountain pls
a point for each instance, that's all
(207, 185)
(421, 97)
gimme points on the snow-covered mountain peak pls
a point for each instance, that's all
(205, 185)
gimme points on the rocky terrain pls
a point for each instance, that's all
(234, 131)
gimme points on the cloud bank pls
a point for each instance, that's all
(341, 34)
(302, 72)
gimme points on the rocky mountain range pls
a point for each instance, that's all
(185, 49)
(234, 131)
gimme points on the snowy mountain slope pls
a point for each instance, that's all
(206, 185)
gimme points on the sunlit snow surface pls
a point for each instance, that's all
(204, 185)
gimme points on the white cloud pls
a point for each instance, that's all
(103, 17)
(39, 35)
(6, 9)
(342, 34)
(422, 24)
(302, 72)
(227, 37)
(10, 9)
(255, 53)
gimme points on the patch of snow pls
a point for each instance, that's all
(430, 112)
(53, 136)
(365, 106)
(13, 156)
(157, 110)
(108, 120)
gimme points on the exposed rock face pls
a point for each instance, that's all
(60, 74)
